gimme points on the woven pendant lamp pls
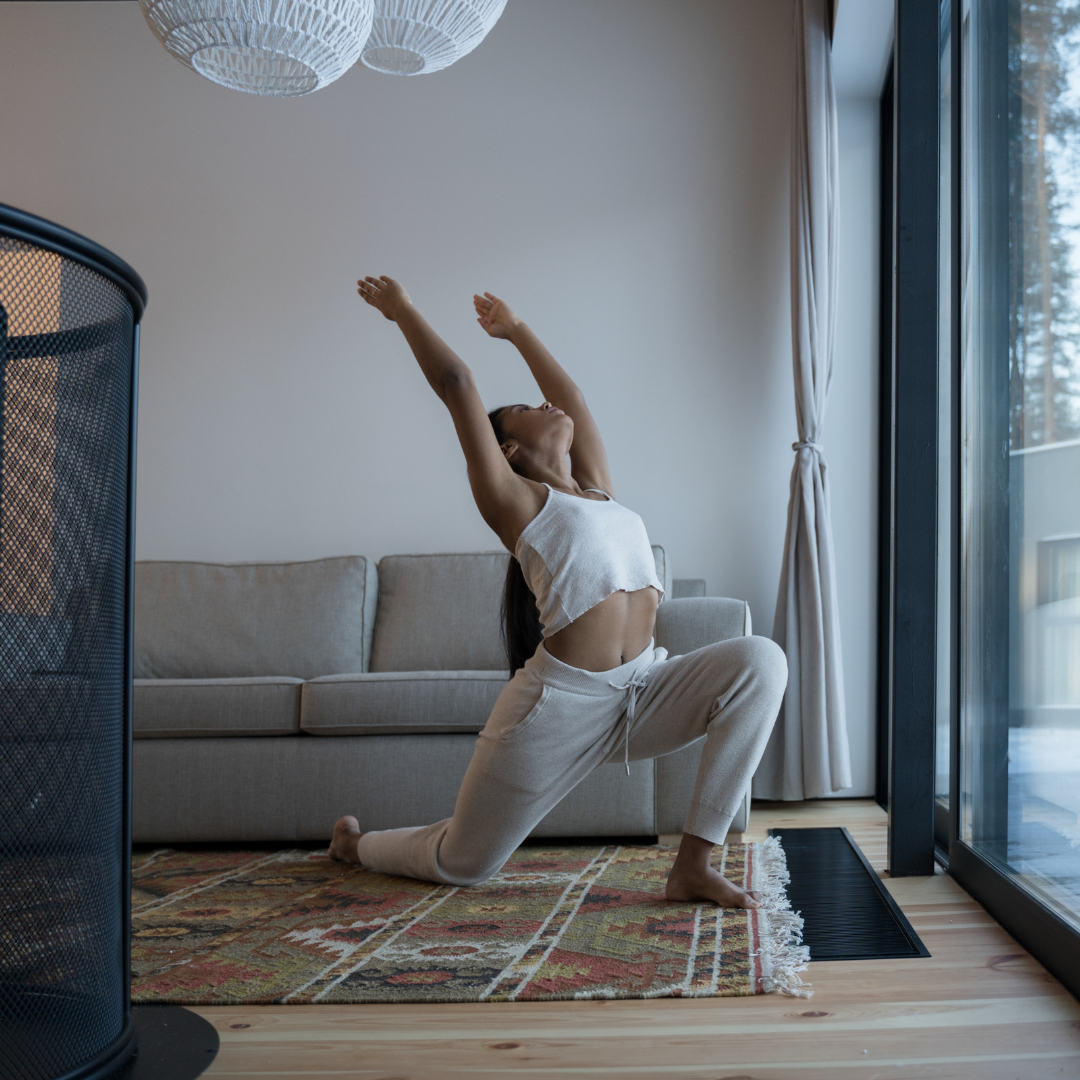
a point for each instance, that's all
(415, 37)
(276, 48)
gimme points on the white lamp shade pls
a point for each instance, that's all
(277, 48)
(415, 37)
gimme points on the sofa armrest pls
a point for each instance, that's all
(663, 569)
(696, 621)
(681, 627)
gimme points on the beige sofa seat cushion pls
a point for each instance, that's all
(442, 612)
(400, 702)
(190, 708)
(211, 621)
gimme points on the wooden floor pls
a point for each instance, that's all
(979, 1007)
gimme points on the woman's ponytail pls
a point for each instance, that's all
(520, 619)
(521, 632)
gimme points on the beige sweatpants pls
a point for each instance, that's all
(553, 724)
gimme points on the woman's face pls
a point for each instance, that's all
(538, 428)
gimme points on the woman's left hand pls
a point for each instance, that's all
(385, 294)
(494, 315)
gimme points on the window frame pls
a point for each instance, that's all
(908, 538)
(910, 252)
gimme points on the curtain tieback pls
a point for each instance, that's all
(808, 444)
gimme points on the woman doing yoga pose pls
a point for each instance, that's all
(587, 685)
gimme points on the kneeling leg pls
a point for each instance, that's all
(520, 769)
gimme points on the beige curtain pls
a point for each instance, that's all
(807, 755)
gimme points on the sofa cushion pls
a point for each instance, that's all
(178, 708)
(400, 702)
(440, 613)
(209, 621)
(696, 621)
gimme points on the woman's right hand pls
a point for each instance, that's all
(494, 315)
(385, 294)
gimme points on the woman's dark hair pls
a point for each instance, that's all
(520, 619)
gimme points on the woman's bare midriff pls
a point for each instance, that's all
(610, 634)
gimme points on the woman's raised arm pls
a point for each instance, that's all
(588, 458)
(506, 501)
(442, 367)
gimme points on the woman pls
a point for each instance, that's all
(594, 689)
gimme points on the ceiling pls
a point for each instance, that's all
(862, 44)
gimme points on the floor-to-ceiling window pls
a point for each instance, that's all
(1016, 661)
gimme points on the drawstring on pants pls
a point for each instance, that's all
(638, 682)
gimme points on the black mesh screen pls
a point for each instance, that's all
(66, 354)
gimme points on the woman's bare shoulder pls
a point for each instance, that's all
(510, 513)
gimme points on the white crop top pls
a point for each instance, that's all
(577, 552)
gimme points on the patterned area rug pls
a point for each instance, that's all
(236, 927)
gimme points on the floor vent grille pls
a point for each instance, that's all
(848, 913)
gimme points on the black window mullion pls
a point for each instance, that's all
(885, 448)
(915, 444)
(955, 293)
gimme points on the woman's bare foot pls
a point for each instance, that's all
(346, 835)
(693, 878)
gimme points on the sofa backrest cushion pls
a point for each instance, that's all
(441, 612)
(215, 621)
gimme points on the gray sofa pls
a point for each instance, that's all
(272, 698)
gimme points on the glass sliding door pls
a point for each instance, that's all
(1017, 656)
(987, 219)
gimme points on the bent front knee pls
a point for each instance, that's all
(767, 661)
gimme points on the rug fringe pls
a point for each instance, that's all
(782, 953)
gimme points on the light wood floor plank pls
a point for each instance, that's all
(979, 1008)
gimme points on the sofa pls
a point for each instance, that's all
(270, 698)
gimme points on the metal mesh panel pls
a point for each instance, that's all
(66, 354)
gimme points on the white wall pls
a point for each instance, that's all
(851, 427)
(618, 169)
